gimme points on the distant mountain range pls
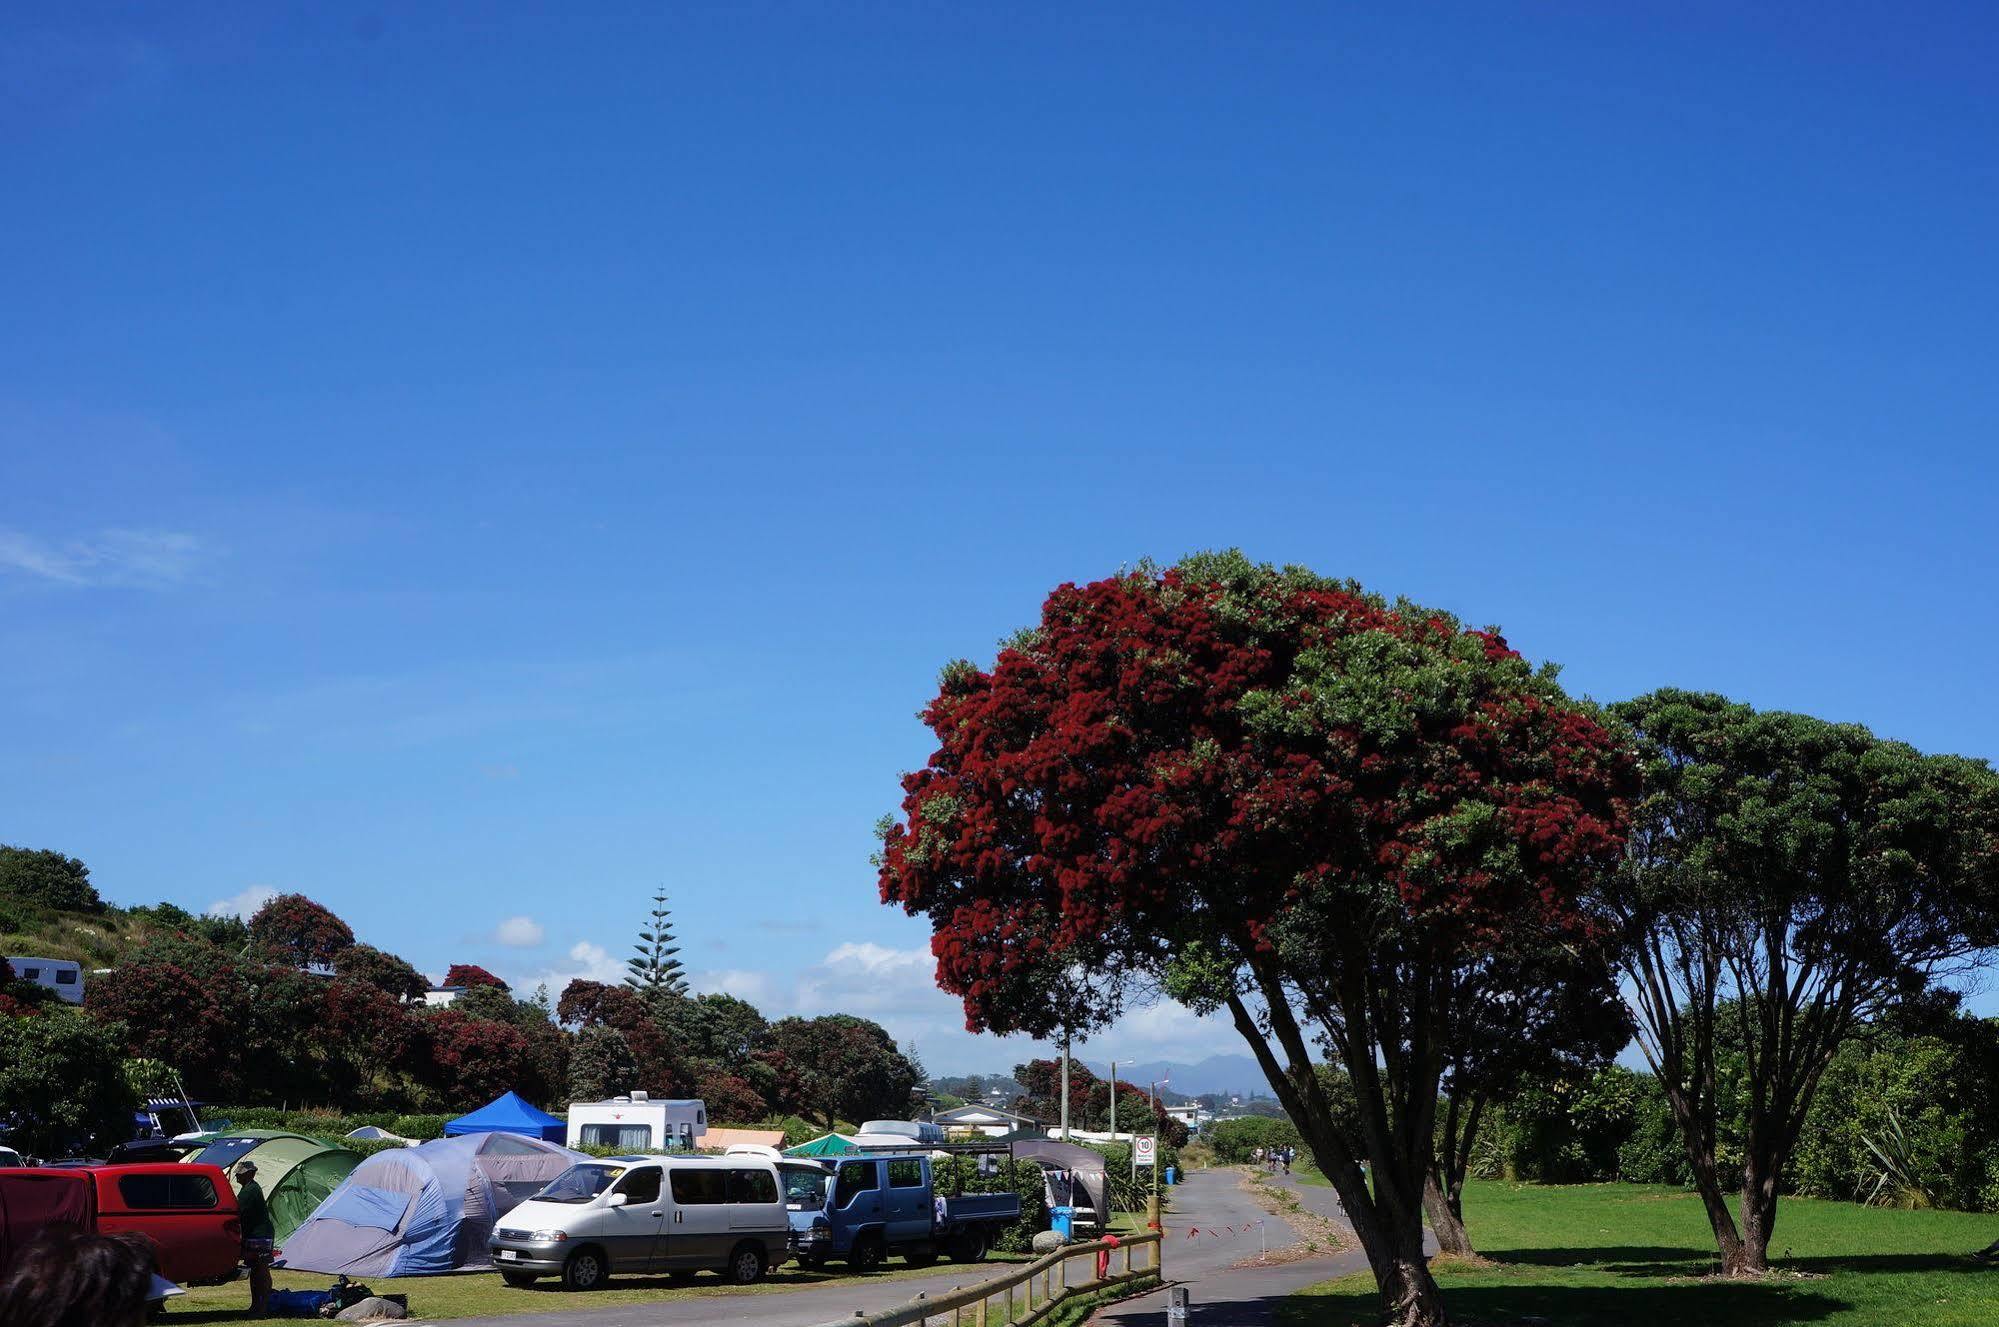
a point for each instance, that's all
(1217, 1073)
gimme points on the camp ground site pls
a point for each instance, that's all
(515, 1210)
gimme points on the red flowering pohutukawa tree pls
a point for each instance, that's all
(1263, 791)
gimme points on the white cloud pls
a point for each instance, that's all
(591, 962)
(519, 933)
(243, 905)
(126, 559)
(759, 988)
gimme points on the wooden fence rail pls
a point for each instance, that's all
(1028, 1293)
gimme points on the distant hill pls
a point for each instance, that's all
(1217, 1073)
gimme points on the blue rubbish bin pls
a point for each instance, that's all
(1172, 1174)
(1062, 1220)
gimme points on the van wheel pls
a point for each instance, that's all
(746, 1265)
(969, 1247)
(868, 1254)
(518, 1280)
(584, 1271)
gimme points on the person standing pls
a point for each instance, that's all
(258, 1235)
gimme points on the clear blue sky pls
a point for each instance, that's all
(481, 462)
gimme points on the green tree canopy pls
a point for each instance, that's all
(1792, 878)
(47, 878)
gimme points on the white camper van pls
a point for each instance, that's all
(638, 1123)
(648, 1214)
(60, 975)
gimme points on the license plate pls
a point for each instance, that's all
(508, 1255)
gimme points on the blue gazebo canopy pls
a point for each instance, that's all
(510, 1114)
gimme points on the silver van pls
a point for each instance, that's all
(647, 1214)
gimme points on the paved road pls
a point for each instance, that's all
(1220, 1293)
(1208, 1200)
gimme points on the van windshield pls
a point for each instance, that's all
(805, 1190)
(579, 1184)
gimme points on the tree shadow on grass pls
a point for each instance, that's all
(1498, 1303)
(1657, 1261)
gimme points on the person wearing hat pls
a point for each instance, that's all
(258, 1235)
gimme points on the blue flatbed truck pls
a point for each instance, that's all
(866, 1209)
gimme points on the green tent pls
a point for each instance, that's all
(297, 1172)
(826, 1145)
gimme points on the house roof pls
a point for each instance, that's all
(975, 1113)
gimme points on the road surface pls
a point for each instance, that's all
(1208, 1200)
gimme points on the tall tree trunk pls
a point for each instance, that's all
(1446, 1219)
(1725, 1236)
(1759, 1214)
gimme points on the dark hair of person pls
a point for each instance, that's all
(67, 1279)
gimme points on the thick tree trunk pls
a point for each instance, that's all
(1393, 1242)
(1725, 1237)
(1759, 1216)
(1447, 1219)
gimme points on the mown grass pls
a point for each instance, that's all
(1625, 1253)
(483, 1294)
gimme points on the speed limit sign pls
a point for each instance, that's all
(1148, 1148)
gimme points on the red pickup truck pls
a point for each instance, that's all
(188, 1211)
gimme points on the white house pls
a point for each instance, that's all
(986, 1121)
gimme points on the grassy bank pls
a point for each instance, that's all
(1618, 1253)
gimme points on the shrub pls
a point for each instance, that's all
(420, 1127)
(1234, 1140)
(960, 1175)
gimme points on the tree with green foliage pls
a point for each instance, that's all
(655, 971)
(63, 1088)
(601, 1064)
(1273, 794)
(1554, 1018)
(48, 879)
(1788, 880)
(845, 1067)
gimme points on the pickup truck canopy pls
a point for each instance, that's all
(32, 1200)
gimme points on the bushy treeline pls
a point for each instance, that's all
(289, 1011)
(1907, 1114)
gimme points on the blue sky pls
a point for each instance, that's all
(475, 464)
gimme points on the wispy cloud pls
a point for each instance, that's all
(518, 932)
(243, 905)
(114, 559)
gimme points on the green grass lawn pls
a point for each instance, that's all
(481, 1294)
(1623, 1253)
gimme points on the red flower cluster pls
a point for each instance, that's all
(1173, 757)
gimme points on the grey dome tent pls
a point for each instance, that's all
(420, 1211)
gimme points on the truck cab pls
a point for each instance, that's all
(864, 1208)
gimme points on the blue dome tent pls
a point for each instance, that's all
(421, 1211)
(510, 1113)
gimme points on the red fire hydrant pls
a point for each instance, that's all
(1104, 1257)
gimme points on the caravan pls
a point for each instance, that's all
(60, 975)
(638, 1123)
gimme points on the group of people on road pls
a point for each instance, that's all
(1270, 1158)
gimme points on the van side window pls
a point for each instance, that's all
(640, 1186)
(694, 1188)
(856, 1178)
(752, 1186)
(161, 1191)
(65, 976)
(905, 1174)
